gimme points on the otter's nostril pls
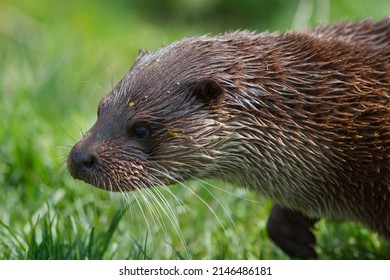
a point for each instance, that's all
(89, 162)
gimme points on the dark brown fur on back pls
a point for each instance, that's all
(300, 117)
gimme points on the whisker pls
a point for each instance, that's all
(229, 193)
(197, 196)
(126, 198)
(226, 211)
(164, 187)
(156, 215)
(143, 213)
(171, 215)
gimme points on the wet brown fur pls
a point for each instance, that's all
(300, 117)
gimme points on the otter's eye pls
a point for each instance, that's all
(141, 132)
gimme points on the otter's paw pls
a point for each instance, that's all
(292, 232)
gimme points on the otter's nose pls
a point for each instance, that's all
(81, 164)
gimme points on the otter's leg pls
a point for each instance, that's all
(292, 232)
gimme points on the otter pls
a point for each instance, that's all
(301, 117)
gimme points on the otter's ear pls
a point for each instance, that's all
(207, 91)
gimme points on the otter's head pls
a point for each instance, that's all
(159, 125)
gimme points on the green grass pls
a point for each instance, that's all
(56, 62)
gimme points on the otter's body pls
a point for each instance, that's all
(300, 117)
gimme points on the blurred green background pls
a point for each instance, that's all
(57, 59)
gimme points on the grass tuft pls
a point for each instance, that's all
(48, 239)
